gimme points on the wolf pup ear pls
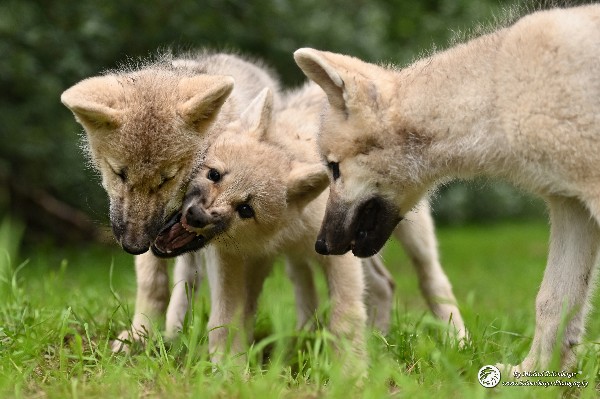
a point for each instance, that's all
(257, 117)
(94, 102)
(306, 182)
(316, 67)
(201, 98)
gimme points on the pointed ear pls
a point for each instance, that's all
(306, 182)
(95, 102)
(257, 117)
(318, 68)
(201, 98)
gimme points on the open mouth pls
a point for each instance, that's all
(174, 239)
(376, 220)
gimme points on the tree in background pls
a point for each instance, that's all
(48, 46)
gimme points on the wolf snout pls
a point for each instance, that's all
(321, 246)
(135, 244)
(373, 223)
(331, 241)
(135, 250)
(195, 216)
(334, 237)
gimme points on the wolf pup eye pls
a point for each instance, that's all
(121, 174)
(163, 180)
(213, 175)
(335, 169)
(245, 211)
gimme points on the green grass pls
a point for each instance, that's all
(60, 308)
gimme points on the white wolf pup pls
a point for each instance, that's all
(146, 131)
(300, 114)
(251, 201)
(258, 195)
(521, 104)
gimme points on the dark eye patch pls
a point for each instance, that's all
(245, 211)
(213, 175)
(335, 169)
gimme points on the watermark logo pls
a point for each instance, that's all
(489, 376)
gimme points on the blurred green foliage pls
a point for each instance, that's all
(47, 46)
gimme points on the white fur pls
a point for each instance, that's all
(521, 104)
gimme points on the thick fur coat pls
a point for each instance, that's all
(258, 195)
(520, 104)
(147, 129)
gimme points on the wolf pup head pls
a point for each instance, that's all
(143, 131)
(247, 192)
(366, 195)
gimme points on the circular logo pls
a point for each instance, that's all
(489, 376)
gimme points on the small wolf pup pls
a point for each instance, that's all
(521, 104)
(258, 195)
(249, 202)
(146, 131)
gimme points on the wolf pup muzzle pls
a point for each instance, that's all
(368, 229)
(174, 239)
(376, 220)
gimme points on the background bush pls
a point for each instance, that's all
(48, 46)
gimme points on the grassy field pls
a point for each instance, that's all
(60, 308)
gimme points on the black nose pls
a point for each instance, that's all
(321, 247)
(196, 217)
(134, 250)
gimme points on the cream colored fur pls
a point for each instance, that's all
(521, 104)
(146, 130)
(262, 160)
(280, 190)
(153, 123)
(299, 114)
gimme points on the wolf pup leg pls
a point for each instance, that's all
(300, 274)
(151, 300)
(416, 233)
(379, 293)
(348, 314)
(187, 276)
(235, 283)
(566, 286)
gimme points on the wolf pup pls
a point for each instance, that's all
(248, 209)
(300, 113)
(520, 104)
(146, 130)
(250, 201)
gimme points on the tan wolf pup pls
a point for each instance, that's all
(257, 196)
(250, 201)
(520, 104)
(146, 132)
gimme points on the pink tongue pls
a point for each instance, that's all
(175, 238)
